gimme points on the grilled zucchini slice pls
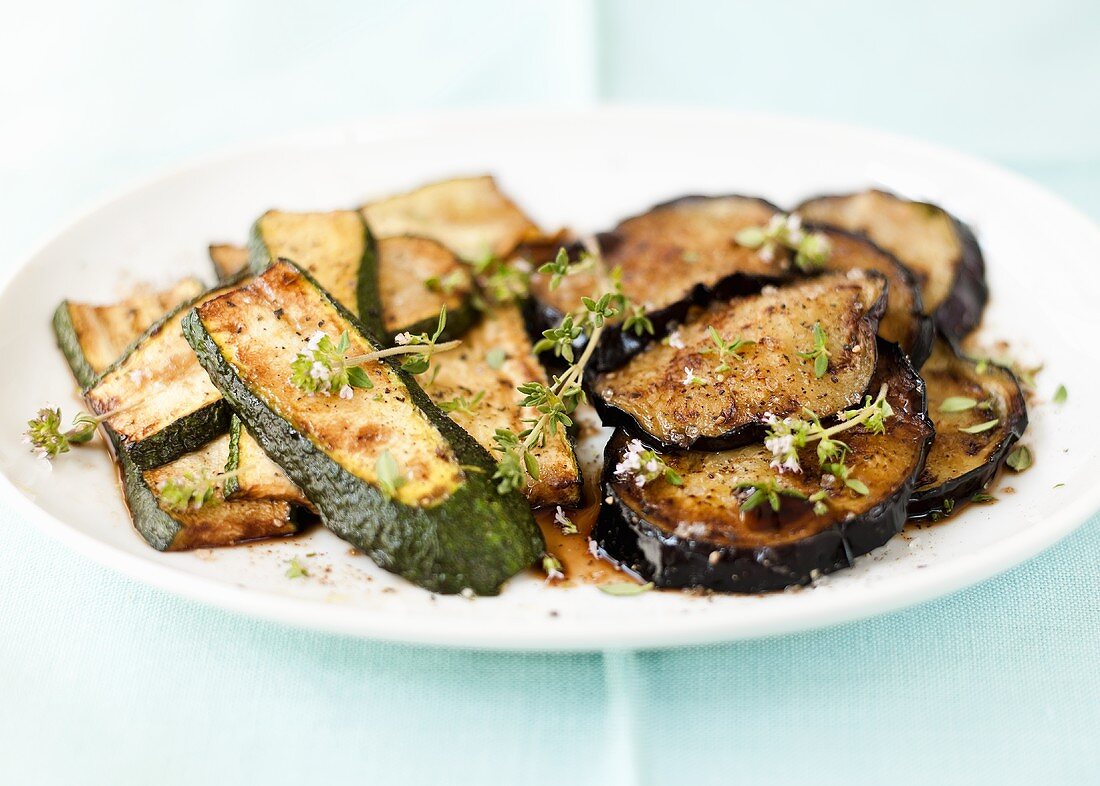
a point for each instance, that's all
(257, 477)
(336, 248)
(229, 261)
(476, 385)
(444, 526)
(940, 250)
(904, 322)
(696, 535)
(217, 523)
(417, 277)
(91, 337)
(97, 328)
(162, 401)
(471, 216)
(961, 464)
(677, 254)
(673, 395)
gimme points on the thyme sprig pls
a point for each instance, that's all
(645, 465)
(786, 437)
(820, 352)
(500, 282)
(462, 404)
(325, 367)
(811, 249)
(48, 441)
(555, 403)
(727, 350)
(192, 491)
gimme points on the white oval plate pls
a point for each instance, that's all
(583, 169)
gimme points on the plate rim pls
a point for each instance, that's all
(695, 629)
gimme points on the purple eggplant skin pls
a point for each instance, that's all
(932, 503)
(632, 543)
(961, 311)
(612, 416)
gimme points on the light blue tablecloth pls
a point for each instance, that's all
(105, 681)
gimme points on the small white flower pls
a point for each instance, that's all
(769, 290)
(314, 341)
(639, 480)
(403, 338)
(320, 371)
(675, 340)
(691, 379)
(793, 229)
(563, 521)
(767, 252)
(346, 392)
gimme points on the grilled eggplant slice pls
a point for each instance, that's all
(217, 523)
(677, 254)
(940, 250)
(417, 277)
(386, 469)
(163, 404)
(476, 385)
(229, 261)
(961, 463)
(673, 396)
(336, 248)
(904, 322)
(470, 215)
(91, 337)
(696, 535)
(256, 476)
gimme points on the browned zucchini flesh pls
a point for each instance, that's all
(904, 322)
(476, 385)
(156, 397)
(255, 476)
(470, 215)
(677, 254)
(704, 532)
(686, 392)
(92, 336)
(216, 523)
(979, 412)
(418, 276)
(229, 261)
(336, 248)
(940, 250)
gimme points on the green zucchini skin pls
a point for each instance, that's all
(231, 485)
(189, 432)
(157, 527)
(368, 303)
(69, 344)
(475, 539)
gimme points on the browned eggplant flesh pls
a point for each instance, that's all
(710, 384)
(678, 254)
(904, 322)
(979, 413)
(940, 250)
(702, 530)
